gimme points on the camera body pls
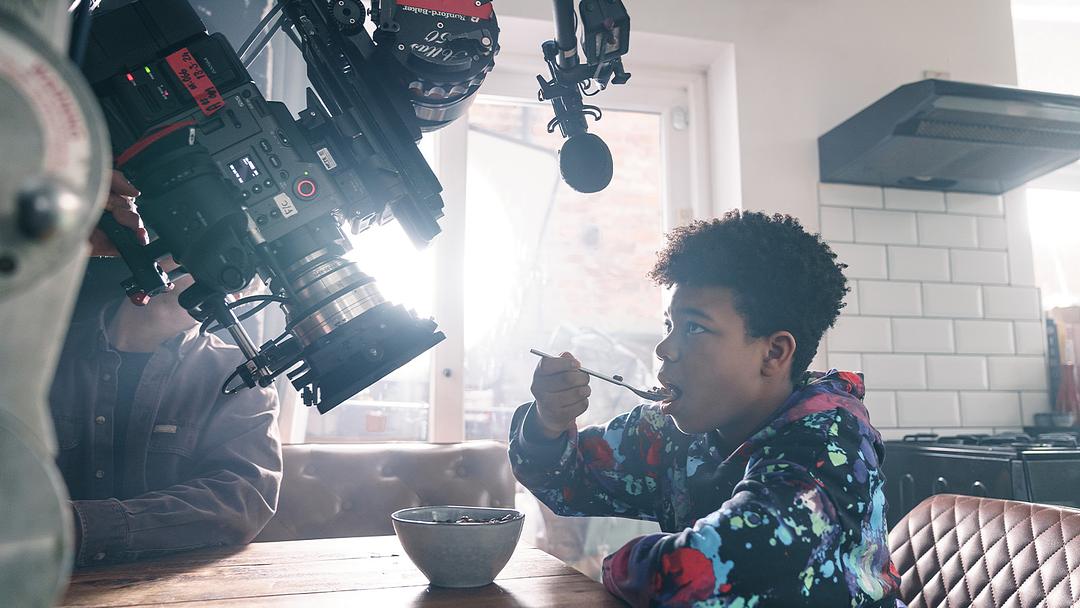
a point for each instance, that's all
(234, 187)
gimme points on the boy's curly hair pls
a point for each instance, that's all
(783, 278)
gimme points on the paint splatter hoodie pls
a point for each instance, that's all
(795, 516)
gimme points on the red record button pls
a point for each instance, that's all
(305, 188)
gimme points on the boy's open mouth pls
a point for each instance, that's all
(673, 391)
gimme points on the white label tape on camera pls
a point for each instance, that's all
(285, 205)
(327, 159)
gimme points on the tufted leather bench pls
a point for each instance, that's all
(335, 490)
(987, 553)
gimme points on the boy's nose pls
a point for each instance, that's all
(665, 350)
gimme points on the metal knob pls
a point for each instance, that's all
(37, 213)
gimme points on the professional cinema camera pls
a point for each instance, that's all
(235, 188)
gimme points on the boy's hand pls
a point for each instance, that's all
(561, 392)
(121, 203)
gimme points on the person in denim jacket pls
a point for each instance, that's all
(765, 478)
(155, 458)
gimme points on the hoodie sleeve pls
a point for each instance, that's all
(609, 470)
(774, 540)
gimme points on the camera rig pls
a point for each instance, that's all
(584, 160)
(234, 187)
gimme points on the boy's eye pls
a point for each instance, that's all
(667, 326)
(694, 328)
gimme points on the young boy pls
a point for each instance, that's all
(765, 478)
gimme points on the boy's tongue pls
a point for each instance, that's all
(676, 394)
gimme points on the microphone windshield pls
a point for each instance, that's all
(585, 163)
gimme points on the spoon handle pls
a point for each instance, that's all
(650, 395)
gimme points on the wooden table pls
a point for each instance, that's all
(357, 572)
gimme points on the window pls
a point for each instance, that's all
(1047, 34)
(1054, 216)
(543, 266)
(548, 268)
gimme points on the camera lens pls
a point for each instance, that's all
(351, 335)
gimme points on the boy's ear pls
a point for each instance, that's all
(778, 357)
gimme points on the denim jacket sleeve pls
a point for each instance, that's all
(228, 500)
(609, 470)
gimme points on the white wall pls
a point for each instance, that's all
(803, 66)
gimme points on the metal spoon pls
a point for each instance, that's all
(657, 395)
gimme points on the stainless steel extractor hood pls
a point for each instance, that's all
(954, 136)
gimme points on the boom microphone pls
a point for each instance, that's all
(584, 160)
(585, 163)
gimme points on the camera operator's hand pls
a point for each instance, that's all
(562, 393)
(121, 203)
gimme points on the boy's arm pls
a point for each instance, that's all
(610, 470)
(774, 538)
(767, 532)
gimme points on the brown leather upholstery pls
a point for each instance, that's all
(956, 551)
(333, 490)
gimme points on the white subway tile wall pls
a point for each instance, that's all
(845, 362)
(894, 371)
(943, 230)
(990, 409)
(956, 372)
(1018, 235)
(974, 204)
(923, 336)
(957, 301)
(1030, 337)
(984, 337)
(935, 408)
(918, 263)
(976, 266)
(992, 233)
(836, 224)
(913, 200)
(882, 408)
(892, 298)
(893, 227)
(943, 319)
(863, 261)
(861, 334)
(1018, 373)
(1032, 403)
(843, 195)
(1011, 302)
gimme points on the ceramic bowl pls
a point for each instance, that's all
(458, 546)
